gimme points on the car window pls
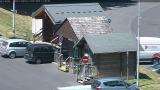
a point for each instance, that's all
(114, 83)
(12, 44)
(23, 44)
(51, 49)
(29, 48)
(45, 49)
(17, 44)
(36, 49)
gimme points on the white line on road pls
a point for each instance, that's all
(81, 87)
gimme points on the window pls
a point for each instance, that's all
(76, 52)
(51, 49)
(12, 44)
(37, 49)
(16, 44)
(114, 83)
(24, 44)
(44, 49)
(19, 44)
(29, 48)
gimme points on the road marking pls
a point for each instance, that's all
(81, 87)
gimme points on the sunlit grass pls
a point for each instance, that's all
(23, 25)
(149, 80)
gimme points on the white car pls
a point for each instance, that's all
(150, 45)
(13, 47)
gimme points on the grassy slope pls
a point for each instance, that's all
(149, 80)
(23, 24)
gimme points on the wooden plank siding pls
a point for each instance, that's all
(115, 64)
(66, 31)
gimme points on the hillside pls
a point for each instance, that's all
(23, 25)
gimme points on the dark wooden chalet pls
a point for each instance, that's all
(54, 14)
(113, 54)
(74, 28)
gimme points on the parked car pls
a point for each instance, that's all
(150, 46)
(13, 47)
(112, 84)
(155, 67)
(39, 53)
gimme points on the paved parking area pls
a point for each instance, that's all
(16, 74)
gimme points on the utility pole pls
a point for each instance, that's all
(138, 38)
(127, 65)
(13, 17)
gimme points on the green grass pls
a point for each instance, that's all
(149, 80)
(23, 25)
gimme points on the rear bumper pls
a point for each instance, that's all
(4, 53)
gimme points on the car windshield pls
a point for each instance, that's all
(114, 83)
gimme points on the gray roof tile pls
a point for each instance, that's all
(59, 12)
(110, 43)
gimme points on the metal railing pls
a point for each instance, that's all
(58, 58)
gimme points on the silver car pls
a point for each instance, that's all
(112, 84)
(13, 47)
(155, 67)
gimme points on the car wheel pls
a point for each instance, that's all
(12, 55)
(38, 61)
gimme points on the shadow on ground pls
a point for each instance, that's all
(29, 62)
(144, 76)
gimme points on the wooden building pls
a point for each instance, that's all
(53, 15)
(74, 28)
(113, 54)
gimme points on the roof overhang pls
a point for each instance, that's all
(110, 43)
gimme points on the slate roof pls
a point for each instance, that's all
(59, 12)
(110, 43)
(89, 25)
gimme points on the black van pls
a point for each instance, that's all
(39, 53)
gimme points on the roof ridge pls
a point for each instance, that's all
(72, 4)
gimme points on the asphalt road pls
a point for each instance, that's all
(16, 74)
(124, 18)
